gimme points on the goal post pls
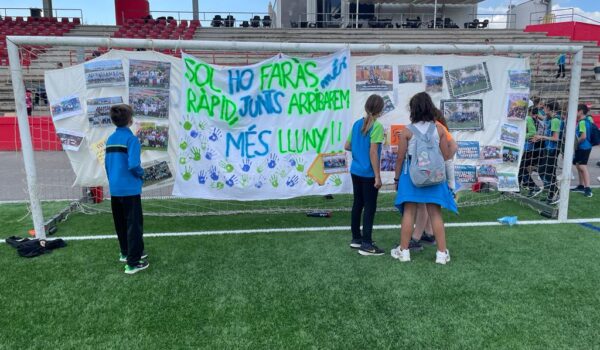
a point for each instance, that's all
(15, 42)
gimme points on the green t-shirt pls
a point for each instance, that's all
(531, 129)
(376, 133)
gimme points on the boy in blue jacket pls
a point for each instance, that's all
(122, 163)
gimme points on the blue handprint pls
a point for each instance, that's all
(214, 175)
(246, 163)
(292, 161)
(272, 160)
(209, 154)
(194, 134)
(214, 136)
(231, 181)
(292, 181)
(260, 182)
(202, 177)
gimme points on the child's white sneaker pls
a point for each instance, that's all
(442, 257)
(400, 254)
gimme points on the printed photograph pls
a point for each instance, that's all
(395, 130)
(487, 173)
(104, 73)
(516, 108)
(149, 74)
(152, 136)
(156, 172)
(98, 110)
(465, 174)
(335, 163)
(374, 78)
(463, 114)
(70, 139)
(519, 79)
(149, 103)
(388, 105)
(491, 154)
(67, 107)
(467, 150)
(510, 155)
(508, 182)
(468, 80)
(434, 78)
(509, 133)
(389, 154)
(410, 74)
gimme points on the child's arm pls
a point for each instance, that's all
(133, 159)
(374, 157)
(402, 148)
(448, 148)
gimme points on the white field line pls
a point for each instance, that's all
(322, 229)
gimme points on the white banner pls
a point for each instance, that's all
(272, 130)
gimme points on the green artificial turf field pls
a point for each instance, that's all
(520, 287)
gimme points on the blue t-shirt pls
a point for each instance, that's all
(553, 125)
(122, 163)
(584, 126)
(361, 145)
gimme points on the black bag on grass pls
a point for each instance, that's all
(30, 248)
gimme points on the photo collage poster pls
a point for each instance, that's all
(466, 91)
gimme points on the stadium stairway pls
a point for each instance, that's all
(543, 65)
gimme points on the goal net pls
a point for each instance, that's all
(489, 95)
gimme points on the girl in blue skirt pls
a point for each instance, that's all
(422, 114)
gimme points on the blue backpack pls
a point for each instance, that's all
(594, 132)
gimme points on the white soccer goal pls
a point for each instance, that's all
(166, 205)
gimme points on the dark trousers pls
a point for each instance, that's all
(561, 70)
(529, 159)
(549, 172)
(365, 197)
(129, 224)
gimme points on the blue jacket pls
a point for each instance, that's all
(122, 163)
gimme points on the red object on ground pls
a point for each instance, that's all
(43, 134)
(97, 194)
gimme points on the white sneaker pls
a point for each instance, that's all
(441, 257)
(402, 255)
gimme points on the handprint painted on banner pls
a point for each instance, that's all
(244, 180)
(291, 160)
(218, 185)
(183, 144)
(202, 177)
(309, 180)
(336, 180)
(292, 181)
(209, 154)
(196, 154)
(187, 123)
(214, 175)
(187, 173)
(260, 182)
(182, 160)
(202, 125)
(272, 160)
(246, 164)
(228, 167)
(194, 133)
(299, 164)
(231, 181)
(214, 136)
(274, 181)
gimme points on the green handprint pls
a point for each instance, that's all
(337, 181)
(187, 173)
(274, 181)
(218, 185)
(202, 125)
(196, 154)
(309, 181)
(182, 160)
(228, 167)
(187, 123)
(260, 168)
(183, 145)
(282, 173)
(300, 167)
(244, 180)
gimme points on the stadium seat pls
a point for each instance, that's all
(266, 21)
(255, 22)
(76, 21)
(64, 20)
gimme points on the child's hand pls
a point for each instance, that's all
(377, 183)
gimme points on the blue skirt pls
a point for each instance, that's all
(438, 194)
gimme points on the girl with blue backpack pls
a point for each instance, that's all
(421, 175)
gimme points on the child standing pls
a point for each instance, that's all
(122, 163)
(422, 116)
(552, 140)
(365, 144)
(582, 153)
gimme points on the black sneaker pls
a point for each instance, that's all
(554, 201)
(414, 245)
(142, 265)
(534, 192)
(427, 238)
(588, 192)
(579, 188)
(355, 243)
(370, 249)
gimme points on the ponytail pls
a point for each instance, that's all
(373, 108)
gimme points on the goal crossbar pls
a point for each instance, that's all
(19, 88)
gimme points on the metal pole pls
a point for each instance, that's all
(356, 14)
(435, 14)
(286, 46)
(26, 145)
(565, 182)
(195, 9)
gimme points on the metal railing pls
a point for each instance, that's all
(206, 18)
(26, 12)
(560, 15)
(399, 20)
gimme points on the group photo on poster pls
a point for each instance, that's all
(98, 110)
(470, 80)
(374, 78)
(102, 73)
(463, 114)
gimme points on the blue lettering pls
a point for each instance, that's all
(238, 144)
